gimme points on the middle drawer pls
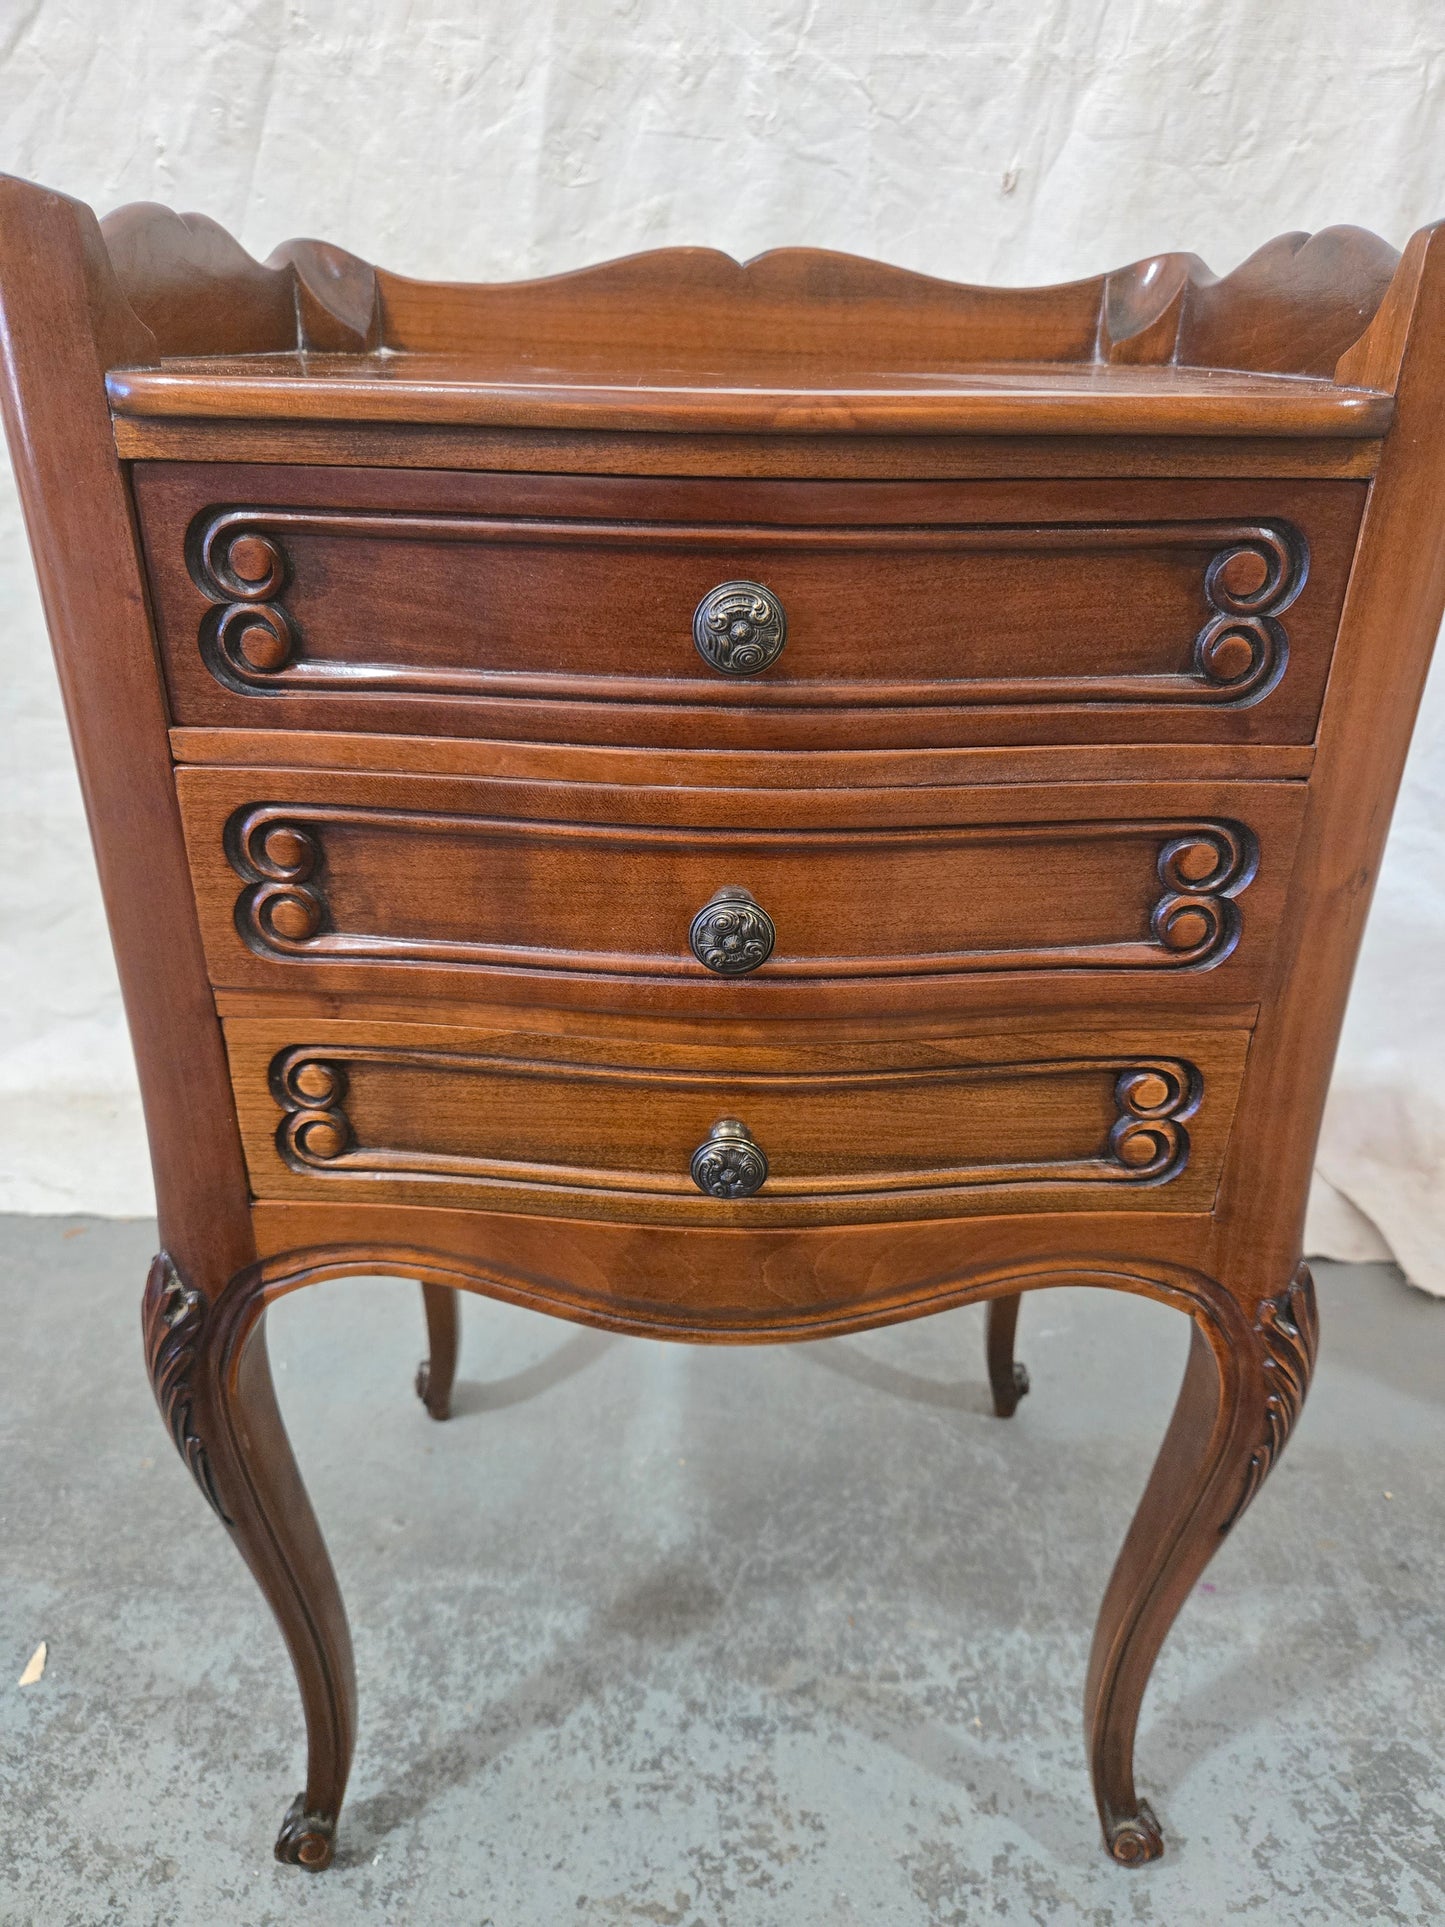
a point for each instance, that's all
(738, 902)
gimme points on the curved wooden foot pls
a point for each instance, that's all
(306, 1839)
(213, 1383)
(438, 1369)
(1241, 1395)
(1006, 1375)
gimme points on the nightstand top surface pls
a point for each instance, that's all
(511, 385)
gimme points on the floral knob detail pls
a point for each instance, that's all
(732, 933)
(729, 1164)
(739, 628)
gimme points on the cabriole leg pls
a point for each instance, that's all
(222, 1414)
(1236, 1408)
(1006, 1375)
(443, 1333)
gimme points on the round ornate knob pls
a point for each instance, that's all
(729, 1165)
(739, 628)
(732, 933)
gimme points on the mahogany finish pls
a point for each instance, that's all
(730, 803)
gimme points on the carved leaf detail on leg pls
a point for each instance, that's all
(1289, 1326)
(173, 1316)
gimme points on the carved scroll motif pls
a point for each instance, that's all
(173, 1317)
(1251, 573)
(284, 910)
(316, 1130)
(1289, 1327)
(1242, 648)
(250, 639)
(1131, 1842)
(1196, 920)
(306, 1839)
(1148, 1140)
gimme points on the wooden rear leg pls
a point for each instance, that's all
(213, 1383)
(1006, 1375)
(1240, 1398)
(438, 1369)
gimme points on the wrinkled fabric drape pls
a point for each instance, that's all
(1382, 1147)
(1010, 140)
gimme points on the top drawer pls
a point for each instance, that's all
(739, 614)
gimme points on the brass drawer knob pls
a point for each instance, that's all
(729, 1165)
(732, 933)
(739, 628)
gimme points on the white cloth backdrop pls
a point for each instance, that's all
(1011, 140)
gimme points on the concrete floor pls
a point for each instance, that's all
(712, 1638)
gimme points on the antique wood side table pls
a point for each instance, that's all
(731, 803)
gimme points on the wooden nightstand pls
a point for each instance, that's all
(731, 803)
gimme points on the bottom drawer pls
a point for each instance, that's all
(419, 1114)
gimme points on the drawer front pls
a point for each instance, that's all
(791, 616)
(1046, 1121)
(394, 886)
